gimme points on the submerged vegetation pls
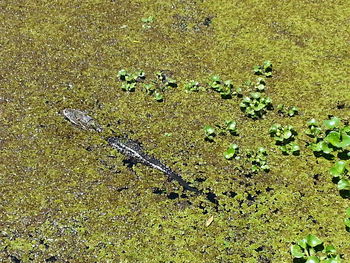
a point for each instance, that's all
(158, 72)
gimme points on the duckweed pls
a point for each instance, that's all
(66, 198)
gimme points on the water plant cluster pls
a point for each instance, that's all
(130, 80)
(285, 138)
(312, 250)
(256, 105)
(340, 172)
(224, 88)
(229, 126)
(155, 88)
(193, 86)
(331, 139)
(258, 160)
(287, 111)
(265, 69)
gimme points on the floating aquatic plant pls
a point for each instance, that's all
(258, 160)
(256, 105)
(312, 250)
(130, 79)
(231, 127)
(287, 111)
(333, 137)
(231, 151)
(209, 133)
(224, 88)
(193, 86)
(265, 69)
(340, 171)
(165, 79)
(285, 138)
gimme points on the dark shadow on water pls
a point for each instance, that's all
(129, 162)
(158, 191)
(345, 194)
(51, 259)
(344, 155)
(299, 260)
(173, 195)
(324, 155)
(230, 194)
(212, 198)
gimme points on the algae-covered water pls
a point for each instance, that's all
(66, 196)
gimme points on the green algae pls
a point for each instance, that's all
(65, 199)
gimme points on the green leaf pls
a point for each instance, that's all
(302, 243)
(216, 78)
(284, 148)
(313, 241)
(338, 169)
(313, 259)
(158, 96)
(257, 70)
(260, 87)
(332, 123)
(267, 65)
(228, 83)
(229, 154)
(345, 140)
(122, 73)
(231, 151)
(231, 126)
(330, 249)
(316, 147)
(268, 74)
(321, 146)
(274, 128)
(325, 148)
(333, 138)
(297, 251)
(128, 86)
(294, 147)
(344, 184)
(312, 122)
(287, 134)
(336, 259)
(255, 95)
(262, 151)
(209, 130)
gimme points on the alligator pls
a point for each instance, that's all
(133, 150)
(129, 148)
(81, 119)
